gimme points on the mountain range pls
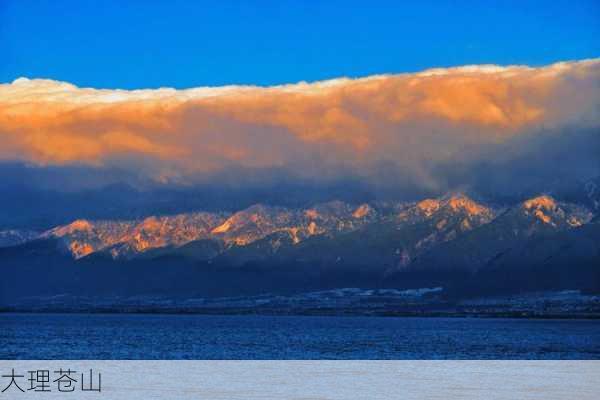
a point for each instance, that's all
(468, 247)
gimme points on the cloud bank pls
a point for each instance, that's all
(407, 129)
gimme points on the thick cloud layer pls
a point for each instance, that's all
(422, 131)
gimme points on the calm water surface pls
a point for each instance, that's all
(131, 336)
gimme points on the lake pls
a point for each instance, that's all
(144, 336)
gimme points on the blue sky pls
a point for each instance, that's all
(139, 44)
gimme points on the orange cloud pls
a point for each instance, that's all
(411, 120)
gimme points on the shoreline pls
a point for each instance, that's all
(312, 313)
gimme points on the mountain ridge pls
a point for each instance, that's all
(466, 247)
(397, 232)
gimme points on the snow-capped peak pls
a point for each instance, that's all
(544, 202)
(362, 211)
(463, 203)
(428, 206)
(551, 212)
(80, 225)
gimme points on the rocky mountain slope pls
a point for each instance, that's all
(538, 217)
(464, 233)
(465, 246)
(126, 239)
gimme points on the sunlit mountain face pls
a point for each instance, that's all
(460, 245)
(398, 231)
(476, 180)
